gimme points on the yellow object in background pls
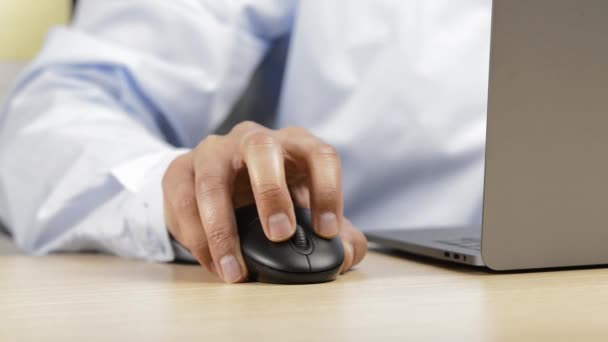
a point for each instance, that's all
(24, 24)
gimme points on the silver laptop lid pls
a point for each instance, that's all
(546, 183)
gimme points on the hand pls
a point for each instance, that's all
(253, 164)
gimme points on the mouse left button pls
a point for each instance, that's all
(278, 256)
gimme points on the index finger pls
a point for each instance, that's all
(263, 156)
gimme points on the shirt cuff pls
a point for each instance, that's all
(144, 209)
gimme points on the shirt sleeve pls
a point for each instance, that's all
(91, 126)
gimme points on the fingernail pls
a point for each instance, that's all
(280, 227)
(328, 224)
(231, 269)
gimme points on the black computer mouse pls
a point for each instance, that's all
(305, 258)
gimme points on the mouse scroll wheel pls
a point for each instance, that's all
(299, 239)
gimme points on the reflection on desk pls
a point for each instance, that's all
(94, 297)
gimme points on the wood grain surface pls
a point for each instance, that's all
(388, 297)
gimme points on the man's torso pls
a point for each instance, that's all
(399, 87)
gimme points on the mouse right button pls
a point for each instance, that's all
(328, 254)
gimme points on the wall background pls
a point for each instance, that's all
(24, 23)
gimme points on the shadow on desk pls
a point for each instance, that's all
(6, 244)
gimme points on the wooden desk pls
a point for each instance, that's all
(388, 298)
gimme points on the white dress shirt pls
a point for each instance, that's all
(398, 86)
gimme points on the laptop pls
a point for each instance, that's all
(546, 167)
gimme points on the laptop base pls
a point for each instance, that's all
(459, 244)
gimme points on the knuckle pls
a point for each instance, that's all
(212, 139)
(260, 139)
(220, 237)
(245, 126)
(325, 150)
(211, 142)
(296, 131)
(212, 147)
(269, 191)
